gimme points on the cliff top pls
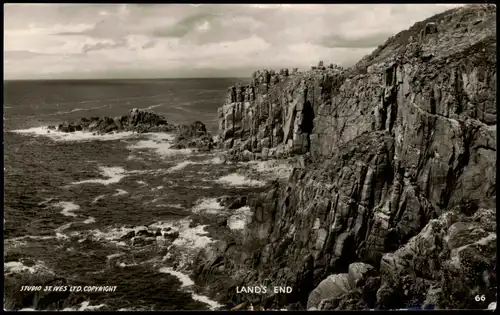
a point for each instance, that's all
(440, 36)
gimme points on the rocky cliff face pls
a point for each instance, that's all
(400, 175)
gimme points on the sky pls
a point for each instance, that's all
(84, 41)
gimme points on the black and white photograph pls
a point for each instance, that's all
(249, 157)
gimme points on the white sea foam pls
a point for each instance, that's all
(46, 201)
(96, 199)
(115, 255)
(84, 306)
(61, 236)
(203, 187)
(13, 241)
(110, 235)
(154, 106)
(180, 166)
(160, 142)
(114, 234)
(208, 205)
(213, 304)
(17, 267)
(120, 192)
(141, 182)
(216, 160)
(236, 179)
(240, 219)
(68, 208)
(123, 265)
(273, 168)
(63, 227)
(12, 267)
(189, 237)
(89, 220)
(186, 282)
(184, 279)
(74, 136)
(183, 164)
(157, 188)
(114, 175)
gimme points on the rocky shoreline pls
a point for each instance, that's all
(395, 205)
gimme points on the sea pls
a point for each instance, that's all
(69, 198)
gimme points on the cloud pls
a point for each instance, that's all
(340, 41)
(185, 26)
(104, 45)
(154, 40)
(21, 55)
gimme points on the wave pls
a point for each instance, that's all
(114, 175)
(89, 220)
(120, 192)
(236, 179)
(67, 208)
(180, 166)
(208, 205)
(154, 106)
(116, 255)
(84, 306)
(186, 282)
(63, 227)
(75, 136)
(13, 267)
(160, 142)
(183, 164)
(240, 219)
(273, 168)
(14, 240)
(96, 199)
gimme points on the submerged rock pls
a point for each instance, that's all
(232, 202)
(172, 236)
(128, 236)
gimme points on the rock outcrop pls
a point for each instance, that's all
(194, 135)
(395, 145)
(273, 115)
(138, 120)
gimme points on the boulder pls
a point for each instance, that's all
(194, 135)
(172, 236)
(333, 286)
(128, 236)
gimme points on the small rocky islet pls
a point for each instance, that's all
(194, 135)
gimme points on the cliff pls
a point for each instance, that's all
(399, 179)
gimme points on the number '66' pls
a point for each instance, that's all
(481, 298)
